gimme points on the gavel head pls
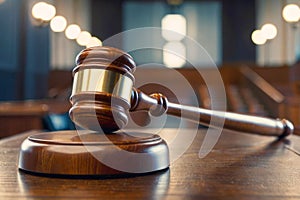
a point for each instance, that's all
(102, 87)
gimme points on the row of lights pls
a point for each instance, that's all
(174, 51)
(45, 12)
(290, 13)
(267, 32)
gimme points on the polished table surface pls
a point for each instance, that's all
(240, 166)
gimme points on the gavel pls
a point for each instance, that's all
(103, 94)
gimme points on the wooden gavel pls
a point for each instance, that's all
(103, 94)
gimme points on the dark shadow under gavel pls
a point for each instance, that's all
(103, 94)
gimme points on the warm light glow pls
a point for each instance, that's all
(2, 1)
(58, 24)
(269, 31)
(258, 37)
(49, 13)
(174, 54)
(43, 11)
(291, 13)
(83, 38)
(72, 31)
(37, 10)
(173, 27)
(94, 42)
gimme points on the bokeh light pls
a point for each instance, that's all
(43, 11)
(258, 37)
(83, 38)
(94, 41)
(58, 24)
(291, 13)
(72, 31)
(173, 27)
(269, 31)
(174, 54)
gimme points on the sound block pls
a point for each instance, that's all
(89, 153)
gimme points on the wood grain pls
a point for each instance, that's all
(89, 153)
(240, 166)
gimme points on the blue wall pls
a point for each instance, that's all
(204, 26)
(233, 22)
(24, 53)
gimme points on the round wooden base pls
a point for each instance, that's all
(86, 153)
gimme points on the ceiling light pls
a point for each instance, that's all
(291, 13)
(94, 42)
(269, 31)
(58, 24)
(43, 11)
(173, 27)
(258, 37)
(83, 38)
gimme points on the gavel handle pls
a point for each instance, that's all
(158, 104)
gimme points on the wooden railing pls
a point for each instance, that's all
(247, 92)
(272, 98)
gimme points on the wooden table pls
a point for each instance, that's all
(239, 167)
